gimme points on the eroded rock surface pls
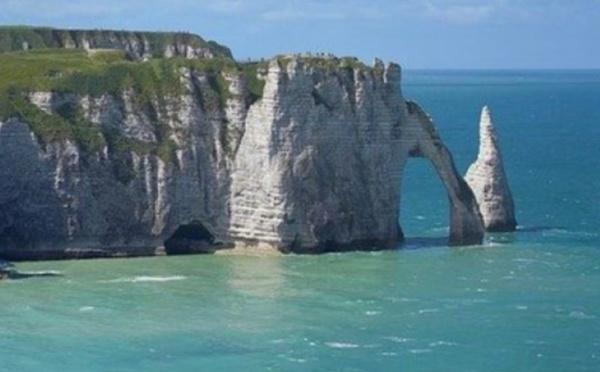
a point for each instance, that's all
(488, 180)
(138, 45)
(313, 164)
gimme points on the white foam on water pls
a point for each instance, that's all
(41, 272)
(406, 299)
(296, 360)
(146, 279)
(341, 345)
(419, 351)
(535, 342)
(580, 315)
(426, 311)
(399, 340)
(442, 343)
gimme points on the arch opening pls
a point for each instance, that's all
(192, 238)
(424, 208)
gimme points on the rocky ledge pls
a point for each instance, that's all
(297, 153)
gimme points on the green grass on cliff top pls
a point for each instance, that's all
(12, 38)
(108, 72)
(111, 72)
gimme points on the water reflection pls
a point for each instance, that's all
(257, 276)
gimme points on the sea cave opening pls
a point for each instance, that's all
(192, 238)
(424, 209)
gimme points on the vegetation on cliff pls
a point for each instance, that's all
(16, 38)
(108, 72)
(54, 61)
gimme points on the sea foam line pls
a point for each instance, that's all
(341, 345)
(146, 279)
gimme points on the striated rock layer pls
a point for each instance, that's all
(487, 179)
(138, 45)
(313, 162)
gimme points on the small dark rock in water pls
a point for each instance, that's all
(5, 269)
(8, 271)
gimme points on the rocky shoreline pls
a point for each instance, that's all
(197, 153)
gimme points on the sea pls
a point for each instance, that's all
(522, 301)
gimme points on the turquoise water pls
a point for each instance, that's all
(523, 301)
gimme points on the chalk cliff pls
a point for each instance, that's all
(489, 183)
(299, 153)
(138, 45)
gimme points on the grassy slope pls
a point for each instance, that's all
(74, 71)
(110, 72)
(12, 39)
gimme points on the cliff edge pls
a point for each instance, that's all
(138, 45)
(102, 155)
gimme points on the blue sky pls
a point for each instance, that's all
(416, 33)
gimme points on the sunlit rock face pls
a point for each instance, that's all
(137, 45)
(321, 161)
(487, 179)
(313, 164)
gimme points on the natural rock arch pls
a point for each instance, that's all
(466, 224)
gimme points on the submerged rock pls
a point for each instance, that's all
(487, 179)
(5, 270)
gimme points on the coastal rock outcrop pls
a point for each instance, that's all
(487, 179)
(138, 45)
(298, 153)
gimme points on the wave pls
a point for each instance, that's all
(16, 274)
(442, 343)
(41, 273)
(419, 351)
(399, 340)
(425, 311)
(341, 345)
(557, 231)
(580, 315)
(146, 279)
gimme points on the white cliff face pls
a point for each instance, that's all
(487, 179)
(320, 164)
(137, 45)
(315, 164)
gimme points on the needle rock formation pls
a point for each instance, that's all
(489, 183)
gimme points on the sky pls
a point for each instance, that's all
(419, 34)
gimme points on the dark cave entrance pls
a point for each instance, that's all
(193, 238)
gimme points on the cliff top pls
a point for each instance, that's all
(141, 44)
(86, 67)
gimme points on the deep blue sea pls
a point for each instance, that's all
(524, 301)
